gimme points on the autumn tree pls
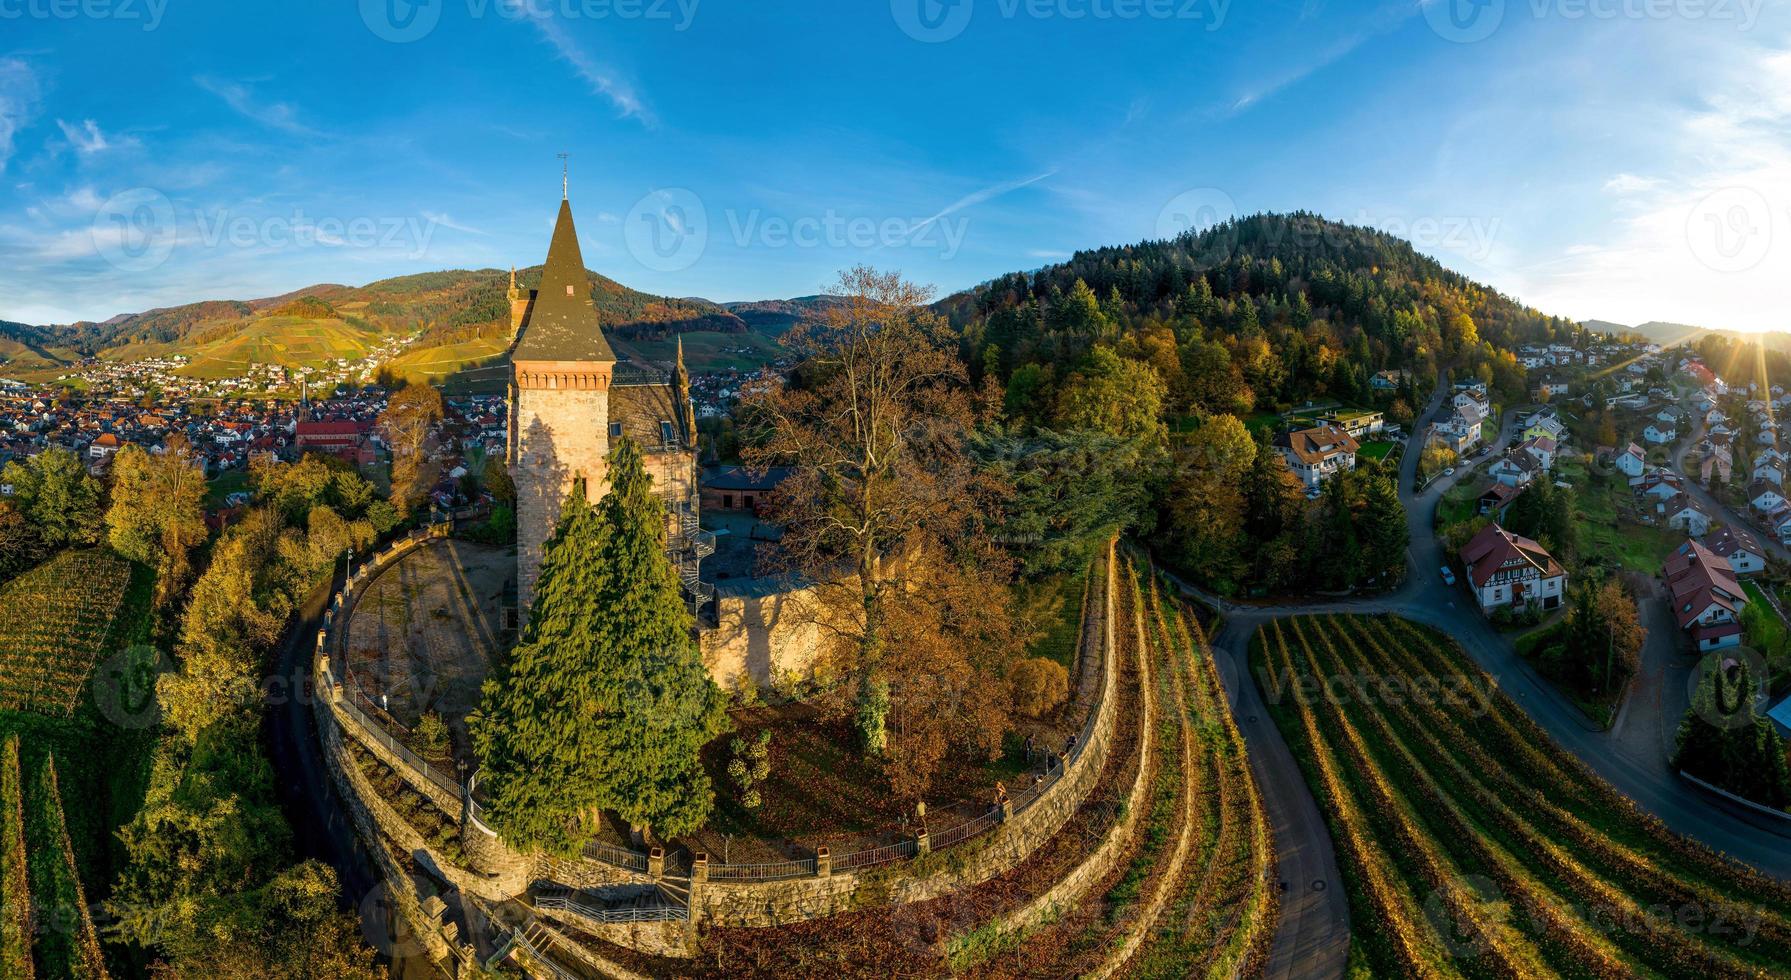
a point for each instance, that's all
(1724, 740)
(886, 511)
(407, 421)
(1112, 394)
(58, 497)
(1205, 501)
(157, 515)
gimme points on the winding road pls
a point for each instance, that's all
(1313, 940)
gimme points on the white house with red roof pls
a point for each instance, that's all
(1506, 569)
(1315, 454)
(1632, 462)
(1707, 598)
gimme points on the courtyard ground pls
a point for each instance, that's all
(423, 635)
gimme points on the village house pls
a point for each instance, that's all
(1507, 569)
(1543, 450)
(1515, 469)
(1707, 599)
(1316, 453)
(1739, 548)
(1680, 513)
(1388, 380)
(1460, 432)
(1716, 462)
(1632, 461)
(1765, 496)
(1355, 422)
(1660, 433)
(1497, 500)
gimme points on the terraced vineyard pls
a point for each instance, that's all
(1473, 845)
(46, 929)
(57, 621)
(1216, 910)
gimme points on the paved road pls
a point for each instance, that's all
(320, 824)
(1313, 940)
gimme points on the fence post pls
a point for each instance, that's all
(920, 843)
(699, 866)
(1007, 810)
(656, 862)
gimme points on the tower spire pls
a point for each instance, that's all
(565, 179)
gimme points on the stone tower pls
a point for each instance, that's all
(561, 371)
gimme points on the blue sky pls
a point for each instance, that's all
(1623, 159)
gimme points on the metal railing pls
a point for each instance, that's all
(383, 735)
(621, 857)
(659, 910)
(872, 856)
(770, 871)
(966, 830)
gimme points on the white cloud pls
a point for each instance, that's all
(274, 115)
(1630, 184)
(441, 220)
(1708, 241)
(18, 103)
(602, 79)
(87, 139)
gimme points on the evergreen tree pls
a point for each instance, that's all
(1724, 741)
(657, 701)
(1383, 530)
(534, 727)
(604, 704)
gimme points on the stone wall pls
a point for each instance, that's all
(560, 433)
(762, 638)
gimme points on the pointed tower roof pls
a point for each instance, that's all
(563, 323)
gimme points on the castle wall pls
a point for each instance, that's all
(760, 640)
(561, 421)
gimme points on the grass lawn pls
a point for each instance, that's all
(225, 484)
(1607, 535)
(1460, 503)
(1377, 449)
(1055, 607)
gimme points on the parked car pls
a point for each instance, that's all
(1449, 472)
(1448, 576)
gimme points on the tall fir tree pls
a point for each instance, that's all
(535, 728)
(605, 703)
(656, 704)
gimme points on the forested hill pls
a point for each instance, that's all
(1259, 312)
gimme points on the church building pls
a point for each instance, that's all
(571, 403)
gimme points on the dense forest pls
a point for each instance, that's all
(1182, 354)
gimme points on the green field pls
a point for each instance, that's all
(706, 350)
(56, 622)
(437, 363)
(287, 340)
(1606, 534)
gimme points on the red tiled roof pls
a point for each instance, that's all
(1495, 549)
